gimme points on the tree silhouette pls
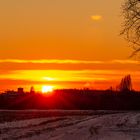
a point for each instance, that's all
(126, 84)
(32, 90)
(131, 26)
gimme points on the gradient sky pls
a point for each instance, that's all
(64, 43)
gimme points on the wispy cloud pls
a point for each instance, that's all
(125, 61)
(43, 61)
(96, 17)
(68, 61)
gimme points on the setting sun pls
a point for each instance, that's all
(46, 89)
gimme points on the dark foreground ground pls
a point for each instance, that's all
(69, 125)
(14, 115)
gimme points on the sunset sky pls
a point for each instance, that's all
(63, 43)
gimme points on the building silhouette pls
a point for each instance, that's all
(20, 90)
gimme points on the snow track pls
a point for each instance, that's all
(109, 126)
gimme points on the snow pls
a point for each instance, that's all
(110, 126)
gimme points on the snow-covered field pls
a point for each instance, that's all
(80, 125)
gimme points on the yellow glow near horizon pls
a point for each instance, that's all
(47, 89)
(48, 78)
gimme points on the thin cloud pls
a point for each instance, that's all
(50, 61)
(126, 61)
(68, 61)
(96, 17)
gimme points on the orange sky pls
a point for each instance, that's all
(65, 43)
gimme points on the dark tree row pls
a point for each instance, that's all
(74, 99)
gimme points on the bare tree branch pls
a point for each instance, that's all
(131, 26)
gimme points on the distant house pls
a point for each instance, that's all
(20, 90)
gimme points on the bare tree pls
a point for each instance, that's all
(131, 26)
(126, 84)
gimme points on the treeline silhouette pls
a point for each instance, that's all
(72, 99)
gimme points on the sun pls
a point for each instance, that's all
(47, 89)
